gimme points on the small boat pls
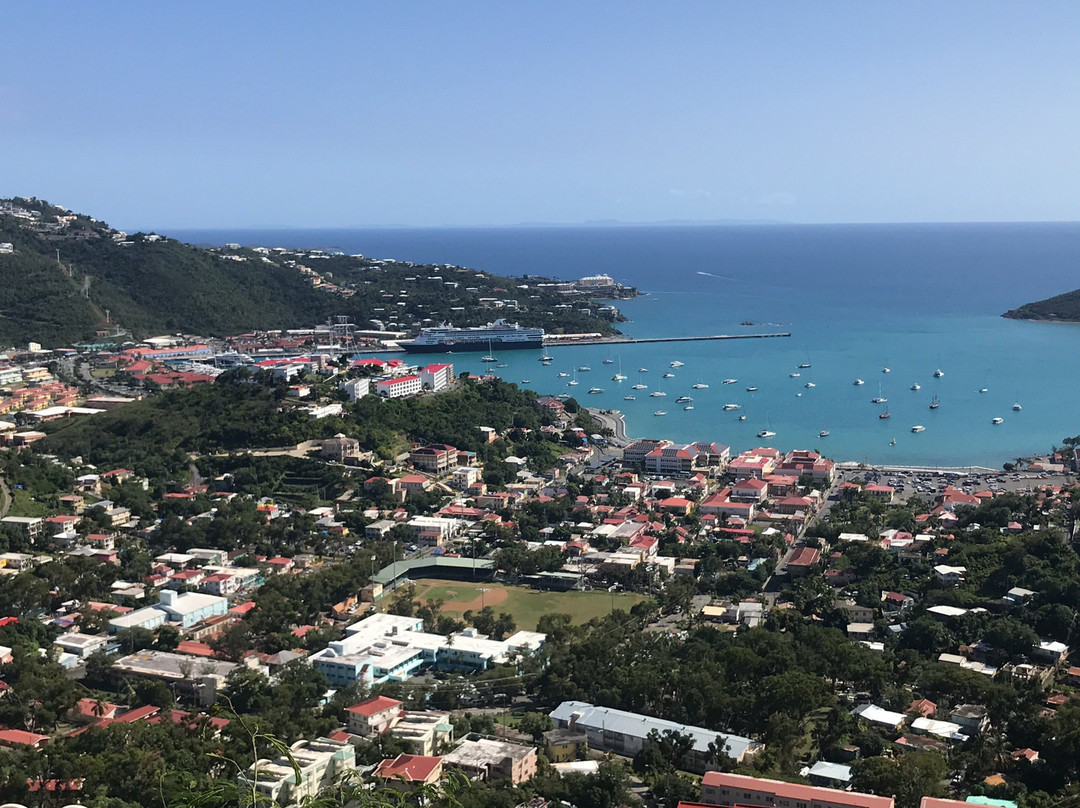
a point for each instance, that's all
(609, 361)
(794, 375)
(595, 390)
(884, 415)
(526, 381)
(892, 442)
(584, 369)
(618, 377)
(563, 375)
(669, 375)
(879, 400)
(572, 382)
(658, 394)
(1017, 406)
(984, 389)
(939, 373)
(742, 417)
(934, 403)
(747, 322)
(996, 420)
(804, 365)
(639, 387)
(660, 412)
(677, 364)
(502, 365)
(546, 358)
(809, 384)
(642, 370)
(730, 407)
(683, 400)
(918, 428)
(751, 389)
(823, 433)
(628, 398)
(886, 370)
(916, 386)
(857, 382)
(546, 362)
(488, 358)
(701, 386)
(730, 381)
(688, 407)
(765, 433)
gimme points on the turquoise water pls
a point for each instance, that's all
(856, 299)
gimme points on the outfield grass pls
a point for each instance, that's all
(526, 605)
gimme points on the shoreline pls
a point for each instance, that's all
(615, 420)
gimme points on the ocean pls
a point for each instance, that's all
(856, 299)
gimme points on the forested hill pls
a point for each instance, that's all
(1062, 308)
(67, 276)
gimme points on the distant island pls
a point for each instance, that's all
(67, 277)
(1059, 309)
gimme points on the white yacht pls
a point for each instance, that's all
(701, 386)
(564, 375)
(794, 375)
(984, 389)
(609, 361)
(660, 412)
(546, 358)
(886, 370)
(676, 364)
(751, 389)
(658, 394)
(669, 375)
(996, 420)
(639, 387)
(1017, 406)
(584, 369)
(879, 400)
(809, 384)
(916, 386)
(628, 398)
(730, 407)
(939, 373)
(595, 390)
(683, 400)
(730, 381)
(823, 433)
(765, 433)
(918, 428)
(857, 382)
(688, 407)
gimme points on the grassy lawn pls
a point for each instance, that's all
(525, 605)
(25, 505)
(103, 373)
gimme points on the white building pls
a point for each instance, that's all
(399, 387)
(437, 377)
(355, 389)
(320, 763)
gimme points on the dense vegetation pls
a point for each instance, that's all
(149, 284)
(1063, 308)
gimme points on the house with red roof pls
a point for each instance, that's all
(407, 772)
(802, 560)
(374, 716)
(750, 489)
(20, 739)
(722, 788)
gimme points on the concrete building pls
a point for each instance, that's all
(409, 772)
(355, 389)
(399, 387)
(437, 377)
(721, 788)
(196, 681)
(624, 733)
(487, 760)
(320, 762)
(29, 526)
(374, 716)
(427, 731)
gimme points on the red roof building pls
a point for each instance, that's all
(721, 788)
(409, 771)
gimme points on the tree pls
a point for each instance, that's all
(168, 638)
(910, 777)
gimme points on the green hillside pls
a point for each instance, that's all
(68, 276)
(1062, 308)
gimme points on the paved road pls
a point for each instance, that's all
(613, 420)
(5, 498)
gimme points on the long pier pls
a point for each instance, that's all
(557, 343)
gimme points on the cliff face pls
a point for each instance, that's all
(1062, 309)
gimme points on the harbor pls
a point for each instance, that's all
(555, 341)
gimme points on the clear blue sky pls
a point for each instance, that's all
(206, 114)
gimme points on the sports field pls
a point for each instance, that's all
(525, 605)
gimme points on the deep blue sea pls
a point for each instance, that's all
(856, 299)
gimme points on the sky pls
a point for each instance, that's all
(350, 114)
